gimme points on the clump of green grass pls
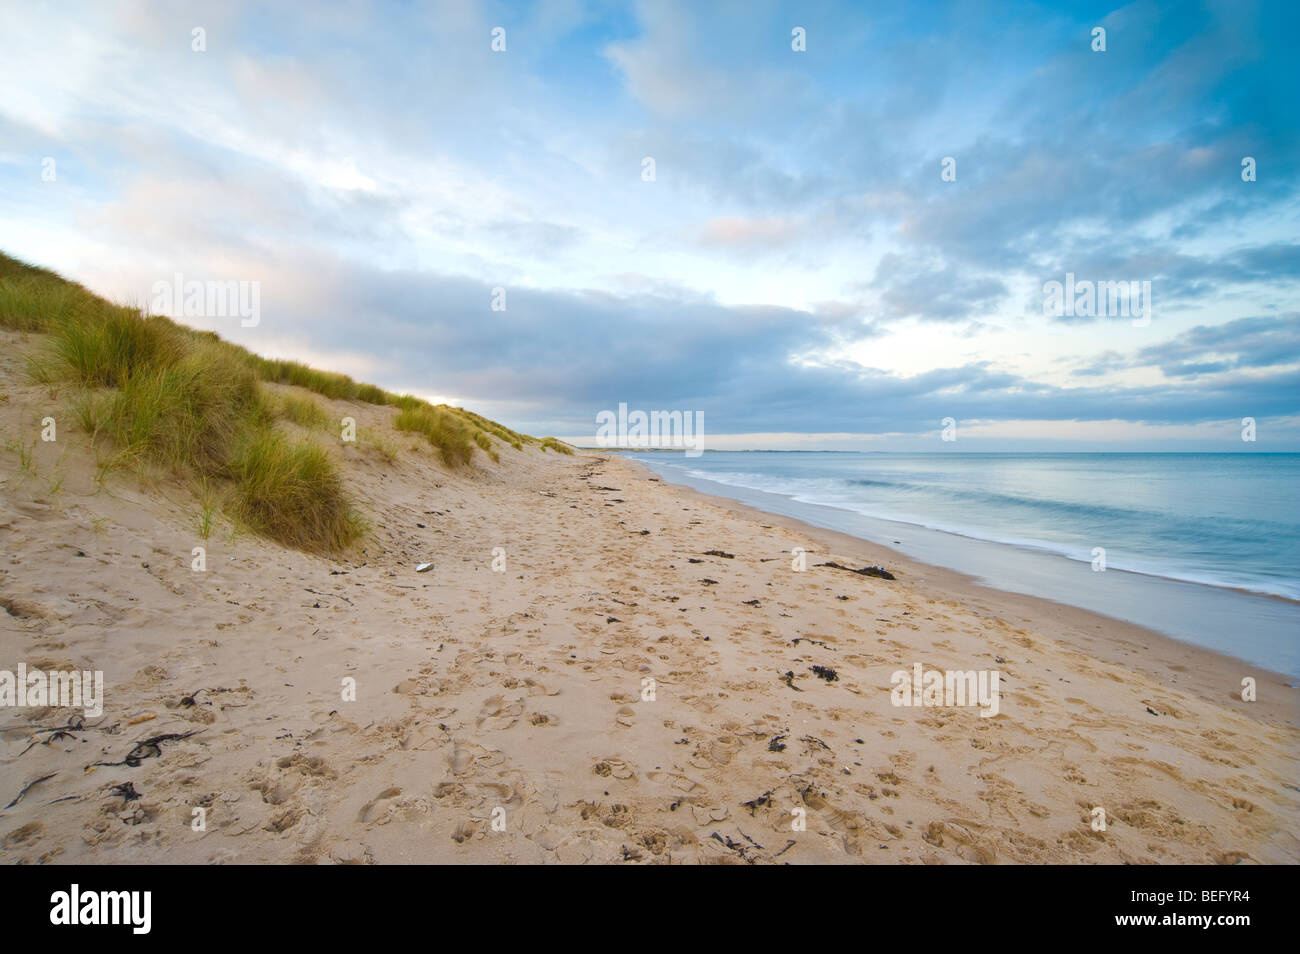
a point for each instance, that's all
(409, 402)
(95, 344)
(373, 394)
(484, 442)
(33, 299)
(302, 411)
(555, 444)
(325, 383)
(185, 415)
(330, 384)
(208, 508)
(513, 438)
(207, 516)
(444, 430)
(291, 491)
(29, 303)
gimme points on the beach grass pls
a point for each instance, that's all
(291, 491)
(446, 431)
(555, 444)
(300, 410)
(152, 393)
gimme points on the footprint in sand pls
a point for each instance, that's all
(715, 752)
(615, 768)
(500, 713)
(536, 688)
(372, 808)
(958, 837)
(710, 814)
(676, 781)
(464, 758)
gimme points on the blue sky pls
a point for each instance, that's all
(798, 270)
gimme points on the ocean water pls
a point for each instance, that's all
(1203, 547)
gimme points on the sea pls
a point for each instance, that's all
(1204, 548)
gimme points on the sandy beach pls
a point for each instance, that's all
(504, 714)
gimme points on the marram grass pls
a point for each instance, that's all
(290, 490)
(557, 445)
(168, 396)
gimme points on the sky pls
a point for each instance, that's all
(673, 206)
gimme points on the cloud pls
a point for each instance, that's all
(1246, 343)
(380, 170)
(911, 289)
(555, 359)
(735, 232)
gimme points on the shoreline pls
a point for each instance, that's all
(1037, 546)
(1018, 545)
(1174, 659)
(1189, 612)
